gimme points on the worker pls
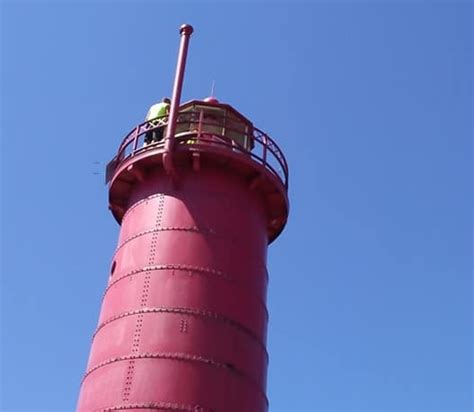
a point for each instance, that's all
(157, 111)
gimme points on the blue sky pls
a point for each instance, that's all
(370, 294)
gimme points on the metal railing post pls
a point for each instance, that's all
(265, 144)
(135, 142)
(201, 117)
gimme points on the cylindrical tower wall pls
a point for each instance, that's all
(183, 319)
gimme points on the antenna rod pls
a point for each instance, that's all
(186, 30)
(212, 88)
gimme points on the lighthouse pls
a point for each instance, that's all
(183, 320)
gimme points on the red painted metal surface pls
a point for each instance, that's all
(183, 320)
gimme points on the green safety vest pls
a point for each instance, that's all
(157, 110)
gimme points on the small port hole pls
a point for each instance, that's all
(112, 268)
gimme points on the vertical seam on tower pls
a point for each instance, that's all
(143, 301)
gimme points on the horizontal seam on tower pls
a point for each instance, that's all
(187, 311)
(175, 356)
(157, 406)
(178, 266)
(169, 266)
(192, 229)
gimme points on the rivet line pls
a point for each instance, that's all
(179, 357)
(189, 312)
(143, 302)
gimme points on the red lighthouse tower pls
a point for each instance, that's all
(183, 319)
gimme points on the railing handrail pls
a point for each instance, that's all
(256, 136)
